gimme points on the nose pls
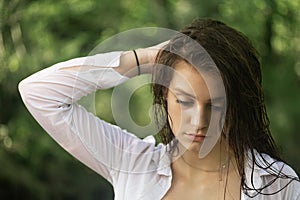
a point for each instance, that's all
(200, 117)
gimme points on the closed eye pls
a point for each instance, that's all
(216, 107)
(185, 103)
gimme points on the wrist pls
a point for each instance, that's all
(146, 55)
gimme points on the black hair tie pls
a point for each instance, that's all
(137, 62)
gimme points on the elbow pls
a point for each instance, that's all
(23, 87)
(30, 94)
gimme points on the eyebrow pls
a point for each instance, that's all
(184, 92)
(192, 96)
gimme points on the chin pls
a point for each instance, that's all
(194, 147)
(190, 146)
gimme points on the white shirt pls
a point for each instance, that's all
(136, 168)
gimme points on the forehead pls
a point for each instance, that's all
(201, 84)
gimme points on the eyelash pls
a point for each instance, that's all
(216, 107)
(185, 103)
(190, 103)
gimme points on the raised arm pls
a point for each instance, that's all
(51, 94)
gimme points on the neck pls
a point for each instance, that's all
(205, 167)
(215, 163)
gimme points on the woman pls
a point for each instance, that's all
(216, 141)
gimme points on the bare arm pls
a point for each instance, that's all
(128, 65)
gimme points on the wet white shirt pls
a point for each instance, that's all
(136, 168)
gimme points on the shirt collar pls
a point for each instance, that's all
(165, 161)
(164, 166)
(255, 175)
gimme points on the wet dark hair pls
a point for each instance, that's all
(246, 124)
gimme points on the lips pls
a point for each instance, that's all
(195, 137)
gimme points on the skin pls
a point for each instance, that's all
(188, 181)
(190, 108)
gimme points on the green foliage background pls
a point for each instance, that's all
(35, 34)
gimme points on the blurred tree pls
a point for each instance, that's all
(273, 28)
(36, 34)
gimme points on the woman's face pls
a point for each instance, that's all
(193, 107)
